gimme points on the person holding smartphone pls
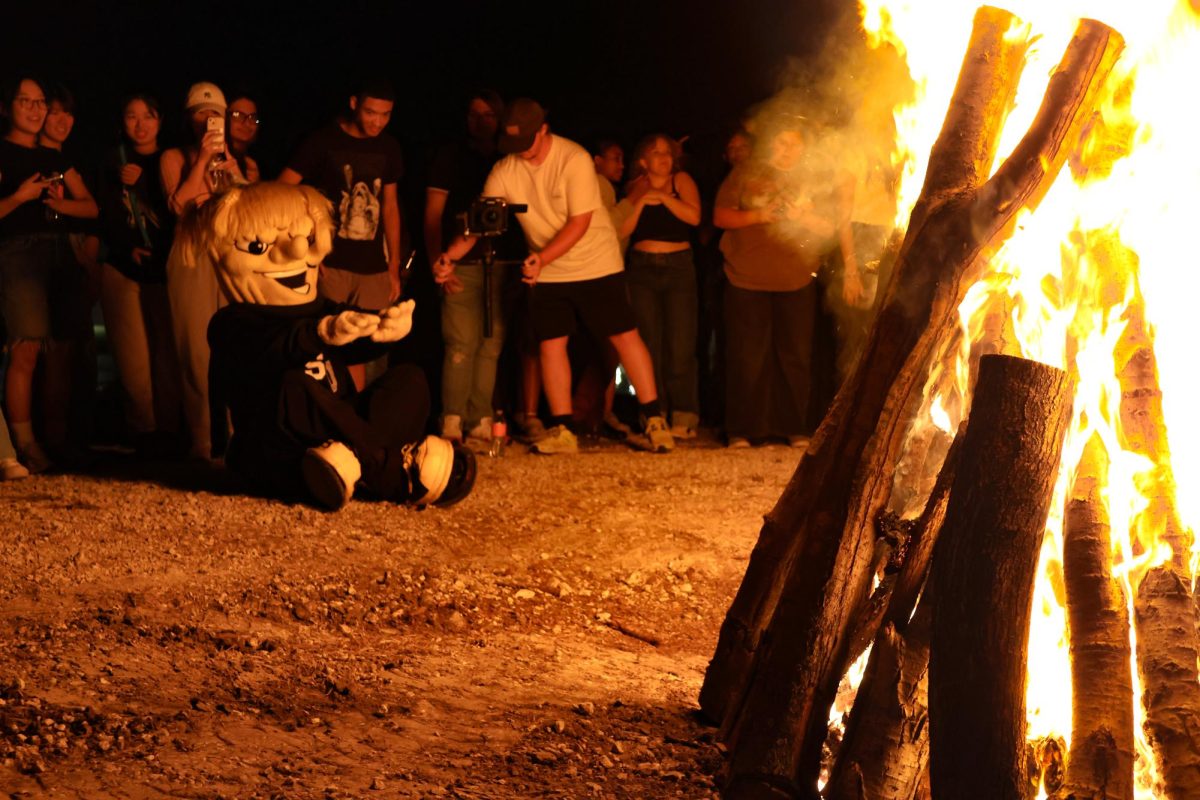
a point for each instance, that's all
(41, 284)
(189, 176)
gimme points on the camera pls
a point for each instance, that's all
(488, 216)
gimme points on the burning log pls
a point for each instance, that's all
(982, 578)
(810, 569)
(1100, 762)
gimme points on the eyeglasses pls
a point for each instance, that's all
(251, 119)
(30, 102)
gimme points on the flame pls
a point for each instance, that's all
(1109, 245)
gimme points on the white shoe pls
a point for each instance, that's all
(330, 473)
(482, 431)
(661, 440)
(452, 427)
(12, 470)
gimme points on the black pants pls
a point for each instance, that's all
(375, 424)
(769, 355)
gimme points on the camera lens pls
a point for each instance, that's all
(491, 217)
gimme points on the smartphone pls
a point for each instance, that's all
(217, 124)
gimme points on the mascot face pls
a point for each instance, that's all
(268, 240)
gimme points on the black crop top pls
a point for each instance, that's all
(658, 224)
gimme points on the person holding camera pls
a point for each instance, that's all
(135, 229)
(456, 176)
(574, 270)
(41, 283)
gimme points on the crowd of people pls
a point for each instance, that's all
(548, 265)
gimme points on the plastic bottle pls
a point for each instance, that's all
(499, 434)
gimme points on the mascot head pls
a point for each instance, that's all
(266, 241)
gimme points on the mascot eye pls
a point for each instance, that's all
(254, 248)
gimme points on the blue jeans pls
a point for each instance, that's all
(662, 289)
(469, 367)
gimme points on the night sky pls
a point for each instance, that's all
(624, 67)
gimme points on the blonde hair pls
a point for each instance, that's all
(245, 211)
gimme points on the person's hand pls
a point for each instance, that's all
(347, 326)
(774, 211)
(130, 174)
(531, 269)
(443, 268)
(212, 143)
(395, 322)
(452, 285)
(852, 286)
(654, 197)
(140, 255)
(30, 188)
(637, 189)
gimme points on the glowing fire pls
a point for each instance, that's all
(1116, 231)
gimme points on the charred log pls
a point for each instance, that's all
(982, 578)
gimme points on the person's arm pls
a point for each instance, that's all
(29, 189)
(391, 237)
(634, 201)
(290, 175)
(435, 207)
(79, 204)
(733, 218)
(252, 173)
(687, 206)
(563, 241)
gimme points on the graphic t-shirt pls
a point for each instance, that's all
(16, 164)
(352, 172)
(564, 185)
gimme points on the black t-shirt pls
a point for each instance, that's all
(352, 172)
(460, 170)
(16, 164)
(122, 229)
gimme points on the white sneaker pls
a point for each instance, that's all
(452, 427)
(558, 439)
(659, 435)
(330, 473)
(481, 431)
(12, 470)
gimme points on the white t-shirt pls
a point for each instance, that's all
(564, 185)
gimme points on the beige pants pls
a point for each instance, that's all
(137, 317)
(195, 296)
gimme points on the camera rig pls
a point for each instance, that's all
(487, 218)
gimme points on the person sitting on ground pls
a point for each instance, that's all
(280, 358)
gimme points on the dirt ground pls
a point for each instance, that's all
(164, 636)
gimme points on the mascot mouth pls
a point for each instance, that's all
(296, 280)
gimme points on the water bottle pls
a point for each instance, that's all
(499, 434)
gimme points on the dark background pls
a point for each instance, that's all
(621, 67)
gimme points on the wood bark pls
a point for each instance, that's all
(982, 580)
(1167, 653)
(1100, 761)
(772, 699)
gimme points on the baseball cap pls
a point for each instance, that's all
(203, 96)
(519, 124)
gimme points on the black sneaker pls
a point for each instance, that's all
(440, 472)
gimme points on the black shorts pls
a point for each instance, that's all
(601, 304)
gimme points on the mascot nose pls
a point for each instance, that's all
(290, 249)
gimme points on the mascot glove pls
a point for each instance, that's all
(346, 327)
(395, 322)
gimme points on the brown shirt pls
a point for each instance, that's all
(770, 257)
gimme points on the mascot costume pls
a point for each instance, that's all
(279, 364)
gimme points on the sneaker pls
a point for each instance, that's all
(738, 443)
(330, 473)
(530, 427)
(452, 427)
(683, 432)
(482, 431)
(12, 470)
(440, 472)
(34, 458)
(615, 427)
(659, 435)
(798, 441)
(558, 439)
(684, 424)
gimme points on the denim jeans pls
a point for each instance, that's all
(662, 290)
(469, 368)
